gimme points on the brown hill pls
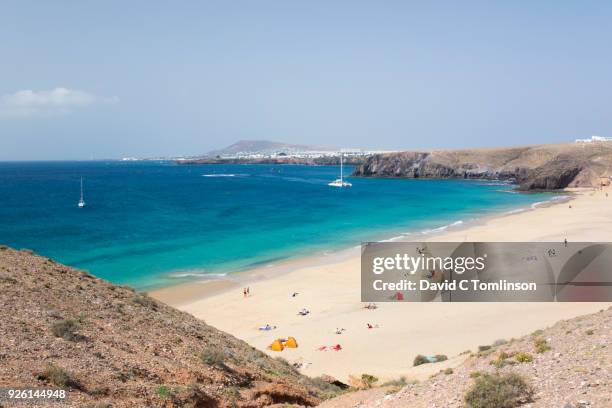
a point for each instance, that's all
(546, 167)
(110, 346)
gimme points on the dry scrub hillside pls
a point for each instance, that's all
(566, 366)
(113, 347)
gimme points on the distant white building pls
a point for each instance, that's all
(594, 139)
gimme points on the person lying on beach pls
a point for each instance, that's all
(372, 326)
(339, 331)
(337, 347)
(267, 327)
(304, 312)
(371, 306)
(294, 294)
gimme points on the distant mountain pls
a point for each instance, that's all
(264, 147)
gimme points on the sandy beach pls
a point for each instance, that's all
(331, 291)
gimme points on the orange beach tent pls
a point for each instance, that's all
(291, 342)
(277, 345)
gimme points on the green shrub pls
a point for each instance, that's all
(484, 348)
(58, 377)
(523, 357)
(420, 359)
(448, 371)
(499, 391)
(475, 374)
(163, 391)
(541, 345)
(66, 329)
(590, 332)
(368, 380)
(441, 357)
(537, 333)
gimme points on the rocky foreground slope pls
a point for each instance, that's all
(542, 167)
(112, 347)
(568, 365)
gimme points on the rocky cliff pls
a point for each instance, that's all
(110, 346)
(542, 167)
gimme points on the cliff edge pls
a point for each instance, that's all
(541, 167)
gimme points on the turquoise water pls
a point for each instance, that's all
(151, 224)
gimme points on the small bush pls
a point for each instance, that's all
(501, 360)
(441, 357)
(163, 391)
(523, 357)
(7, 279)
(537, 333)
(400, 383)
(58, 377)
(144, 300)
(420, 359)
(499, 391)
(484, 348)
(590, 332)
(327, 388)
(213, 357)
(368, 380)
(475, 374)
(66, 329)
(488, 350)
(448, 371)
(541, 345)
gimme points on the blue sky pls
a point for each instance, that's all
(111, 79)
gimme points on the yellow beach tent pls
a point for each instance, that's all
(277, 345)
(291, 342)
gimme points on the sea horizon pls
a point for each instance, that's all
(151, 224)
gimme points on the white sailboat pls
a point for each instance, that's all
(340, 182)
(81, 201)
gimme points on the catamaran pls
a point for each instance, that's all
(81, 201)
(340, 182)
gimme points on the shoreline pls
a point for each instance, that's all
(184, 293)
(331, 291)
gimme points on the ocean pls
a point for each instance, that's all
(151, 224)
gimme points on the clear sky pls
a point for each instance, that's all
(82, 79)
